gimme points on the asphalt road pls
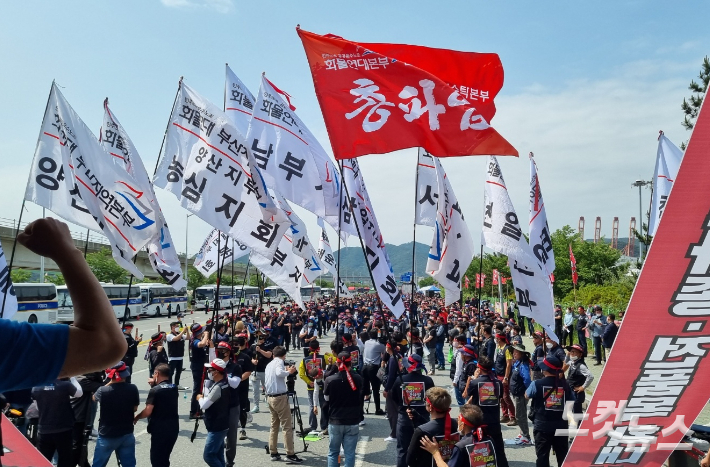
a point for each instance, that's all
(371, 449)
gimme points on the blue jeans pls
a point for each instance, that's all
(459, 396)
(440, 360)
(347, 436)
(213, 454)
(125, 447)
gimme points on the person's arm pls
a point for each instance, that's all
(94, 320)
(79, 391)
(432, 447)
(145, 413)
(213, 396)
(508, 365)
(589, 377)
(525, 374)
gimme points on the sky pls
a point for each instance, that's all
(588, 85)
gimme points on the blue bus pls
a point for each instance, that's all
(206, 295)
(36, 303)
(118, 294)
(157, 297)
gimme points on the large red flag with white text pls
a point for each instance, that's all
(379, 98)
(655, 382)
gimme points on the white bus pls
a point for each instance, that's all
(157, 297)
(275, 294)
(206, 294)
(310, 292)
(65, 310)
(36, 303)
(246, 296)
(328, 293)
(118, 294)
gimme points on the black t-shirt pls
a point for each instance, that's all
(345, 405)
(118, 401)
(164, 399)
(55, 411)
(243, 358)
(418, 457)
(267, 346)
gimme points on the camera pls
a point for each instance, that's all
(291, 378)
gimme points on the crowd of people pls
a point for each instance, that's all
(370, 355)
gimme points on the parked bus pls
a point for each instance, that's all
(36, 303)
(118, 294)
(157, 297)
(246, 296)
(206, 295)
(310, 292)
(275, 294)
(65, 310)
(328, 292)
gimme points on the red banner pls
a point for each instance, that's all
(496, 277)
(659, 364)
(573, 263)
(378, 98)
(466, 282)
(19, 452)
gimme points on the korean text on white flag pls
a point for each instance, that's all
(239, 103)
(209, 258)
(206, 166)
(325, 253)
(668, 159)
(427, 190)
(540, 241)
(376, 256)
(285, 269)
(8, 299)
(161, 249)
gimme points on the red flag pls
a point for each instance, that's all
(504, 280)
(496, 277)
(466, 282)
(573, 262)
(378, 98)
(552, 278)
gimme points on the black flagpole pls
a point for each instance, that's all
(12, 255)
(86, 243)
(480, 287)
(220, 268)
(414, 244)
(336, 280)
(167, 127)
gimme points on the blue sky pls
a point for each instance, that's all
(587, 86)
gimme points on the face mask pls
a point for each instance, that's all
(599, 315)
(574, 359)
(310, 325)
(209, 375)
(548, 345)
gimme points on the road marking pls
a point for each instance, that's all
(361, 450)
(142, 433)
(140, 371)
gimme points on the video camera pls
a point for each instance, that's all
(291, 378)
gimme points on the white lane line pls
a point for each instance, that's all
(140, 371)
(361, 450)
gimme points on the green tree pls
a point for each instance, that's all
(691, 105)
(426, 281)
(194, 278)
(56, 279)
(105, 268)
(20, 275)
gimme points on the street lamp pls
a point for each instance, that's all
(640, 184)
(186, 224)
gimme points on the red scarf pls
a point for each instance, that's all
(111, 372)
(346, 369)
(447, 419)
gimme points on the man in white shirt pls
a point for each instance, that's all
(277, 397)
(176, 350)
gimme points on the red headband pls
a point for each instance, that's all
(466, 422)
(111, 372)
(550, 365)
(342, 367)
(447, 419)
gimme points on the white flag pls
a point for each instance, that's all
(206, 166)
(451, 249)
(285, 269)
(376, 257)
(239, 101)
(7, 291)
(502, 233)
(70, 177)
(291, 159)
(540, 240)
(161, 249)
(301, 244)
(208, 258)
(325, 253)
(668, 159)
(427, 190)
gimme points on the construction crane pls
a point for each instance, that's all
(615, 233)
(629, 250)
(580, 228)
(597, 229)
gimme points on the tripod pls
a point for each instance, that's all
(296, 418)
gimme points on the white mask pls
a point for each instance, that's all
(549, 345)
(574, 359)
(209, 375)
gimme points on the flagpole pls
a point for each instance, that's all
(231, 302)
(167, 127)
(362, 245)
(12, 255)
(414, 241)
(480, 287)
(219, 279)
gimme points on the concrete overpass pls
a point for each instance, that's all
(25, 259)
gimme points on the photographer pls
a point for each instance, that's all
(263, 355)
(276, 393)
(161, 408)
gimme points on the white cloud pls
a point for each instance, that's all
(221, 6)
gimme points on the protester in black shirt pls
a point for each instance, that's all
(198, 358)
(263, 355)
(161, 408)
(132, 351)
(56, 419)
(119, 401)
(243, 358)
(156, 352)
(441, 428)
(176, 350)
(343, 391)
(83, 411)
(581, 327)
(233, 372)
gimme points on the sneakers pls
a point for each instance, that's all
(243, 435)
(294, 459)
(250, 417)
(275, 457)
(523, 441)
(512, 422)
(362, 423)
(324, 432)
(183, 388)
(504, 419)
(390, 439)
(254, 410)
(517, 437)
